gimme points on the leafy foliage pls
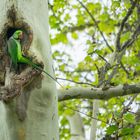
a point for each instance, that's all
(108, 37)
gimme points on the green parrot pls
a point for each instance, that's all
(15, 52)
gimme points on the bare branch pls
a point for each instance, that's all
(114, 71)
(130, 41)
(77, 28)
(98, 93)
(130, 10)
(102, 58)
(96, 24)
(123, 67)
(81, 83)
(75, 110)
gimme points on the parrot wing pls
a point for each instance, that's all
(13, 51)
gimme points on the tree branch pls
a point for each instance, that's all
(130, 41)
(123, 67)
(96, 24)
(94, 118)
(98, 93)
(77, 28)
(76, 82)
(118, 46)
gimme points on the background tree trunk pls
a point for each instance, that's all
(94, 122)
(76, 127)
(41, 120)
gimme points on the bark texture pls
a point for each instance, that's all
(41, 118)
(98, 93)
(76, 127)
(94, 122)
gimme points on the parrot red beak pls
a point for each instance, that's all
(21, 36)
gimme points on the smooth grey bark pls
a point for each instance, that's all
(76, 127)
(94, 122)
(98, 93)
(41, 122)
(4, 130)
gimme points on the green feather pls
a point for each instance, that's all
(15, 52)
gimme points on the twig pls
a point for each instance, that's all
(77, 28)
(84, 114)
(123, 67)
(126, 108)
(138, 11)
(112, 74)
(98, 70)
(130, 10)
(102, 58)
(96, 24)
(135, 113)
(60, 21)
(74, 81)
(130, 41)
(131, 101)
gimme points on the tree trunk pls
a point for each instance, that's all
(36, 107)
(76, 127)
(94, 122)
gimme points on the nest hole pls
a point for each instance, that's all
(8, 30)
(27, 34)
(11, 31)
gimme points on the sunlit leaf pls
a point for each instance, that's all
(111, 129)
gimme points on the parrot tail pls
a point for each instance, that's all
(25, 60)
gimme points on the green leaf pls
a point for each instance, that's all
(126, 131)
(104, 17)
(107, 26)
(56, 53)
(125, 36)
(115, 4)
(130, 118)
(74, 35)
(94, 7)
(80, 18)
(88, 58)
(59, 38)
(67, 17)
(69, 112)
(90, 50)
(62, 67)
(97, 51)
(54, 23)
(111, 129)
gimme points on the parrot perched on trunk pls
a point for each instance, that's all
(15, 52)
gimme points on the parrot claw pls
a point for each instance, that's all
(17, 77)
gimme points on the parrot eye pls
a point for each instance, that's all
(20, 35)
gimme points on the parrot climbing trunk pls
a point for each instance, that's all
(15, 52)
